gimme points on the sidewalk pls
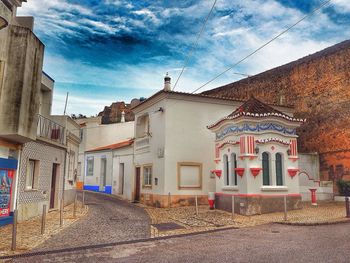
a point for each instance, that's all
(28, 232)
(188, 222)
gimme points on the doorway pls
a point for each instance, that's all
(121, 179)
(103, 174)
(138, 181)
(55, 169)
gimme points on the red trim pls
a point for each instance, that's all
(292, 172)
(240, 171)
(217, 172)
(257, 195)
(255, 171)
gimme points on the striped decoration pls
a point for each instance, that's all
(247, 144)
(293, 147)
(217, 150)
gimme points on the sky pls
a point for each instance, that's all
(102, 51)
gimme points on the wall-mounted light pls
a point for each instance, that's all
(256, 149)
(3, 23)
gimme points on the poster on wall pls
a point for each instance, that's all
(6, 178)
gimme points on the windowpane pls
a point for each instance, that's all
(233, 167)
(30, 174)
(147, 176)
(279, 169)
(226, 170)
(266, 168)
(90, 166)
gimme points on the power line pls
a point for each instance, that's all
(264, 45)
(195, 44)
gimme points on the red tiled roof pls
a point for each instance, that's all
(113, 146)
(256, 109)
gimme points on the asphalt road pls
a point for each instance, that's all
(268, 243)
(108, 220)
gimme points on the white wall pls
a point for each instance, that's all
(123, 156)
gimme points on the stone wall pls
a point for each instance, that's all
(318, 86)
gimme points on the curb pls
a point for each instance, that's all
(65, 250)
(345, 221)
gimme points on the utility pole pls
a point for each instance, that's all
(65, 105)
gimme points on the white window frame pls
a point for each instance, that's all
(32, 175)
(90, 158)
(147, 174)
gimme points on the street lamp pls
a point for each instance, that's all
(3, 23)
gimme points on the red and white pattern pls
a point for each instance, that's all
(247, 144)
(293, 147)
(217, 150)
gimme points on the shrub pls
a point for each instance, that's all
(343, 187)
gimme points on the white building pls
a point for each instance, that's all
(94, 135)
(110, 169)
(257, 159)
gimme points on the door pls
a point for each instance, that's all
(103, 174)
(53, 185)
(138, 182)
(121, 179)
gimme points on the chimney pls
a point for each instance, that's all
(167, 84)
(123, 117)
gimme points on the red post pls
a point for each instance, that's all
(211, 200)
(313, 196)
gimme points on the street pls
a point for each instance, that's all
(267, 243)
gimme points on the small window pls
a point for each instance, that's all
(266, 168)
(279, 169)
(226, 170)
(32, 176)
(90, 166)
(233, 172)
(147, 176)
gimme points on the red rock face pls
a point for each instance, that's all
(113, 113)
(318, 86)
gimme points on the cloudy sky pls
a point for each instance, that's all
(102, 51)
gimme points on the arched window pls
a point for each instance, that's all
(279, 169)
(233, 167)
(226, 170)
(266, 168)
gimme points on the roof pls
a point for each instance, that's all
(256, 109)
(198, 95)
(114, 146)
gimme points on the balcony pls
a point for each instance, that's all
(142, 144)
(50, 131)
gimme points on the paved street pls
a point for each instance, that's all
(267, 243)
(108, 220)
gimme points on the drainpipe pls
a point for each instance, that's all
(18, 173)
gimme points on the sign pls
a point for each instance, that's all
(6, 179)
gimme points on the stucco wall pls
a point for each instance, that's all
(30, 201)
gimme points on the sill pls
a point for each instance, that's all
(230, 188)
(31, 190)
(147, 187)
(189, 188)
(274, 188)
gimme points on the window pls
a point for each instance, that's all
(189, 175)
(142, 126)
(71, 165)
(279, 169)
(147, 176)
(266, 168)
(233, 162)
(226, 170)
(32, 176)
(90, 166)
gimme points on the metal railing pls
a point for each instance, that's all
(50, 130)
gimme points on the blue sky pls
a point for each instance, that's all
(102, 51)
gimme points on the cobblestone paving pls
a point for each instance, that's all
(325, 212)
(29, 232)
(265, 243)
(109, 220)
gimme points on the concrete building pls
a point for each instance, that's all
(94, 135)
(48, 164)
(21, 58)
(257, 159)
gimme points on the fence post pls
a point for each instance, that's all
(83, 199)
(14, 230)
(285, 207)
(347, 206)
(196, 205)
(61, 213)
(43, 220)
(75, 205)
(233, 206)
(169, 200)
